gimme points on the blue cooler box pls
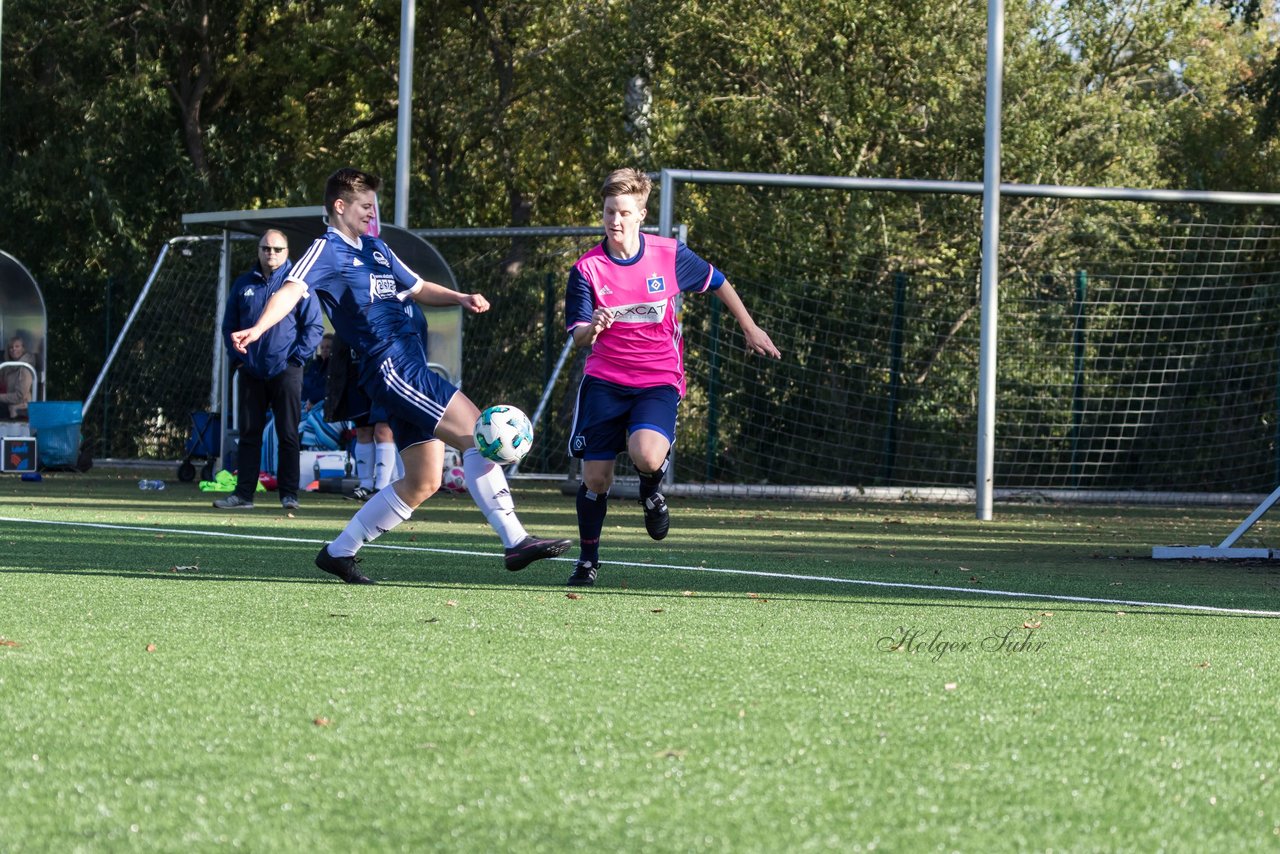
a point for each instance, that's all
(57, 425)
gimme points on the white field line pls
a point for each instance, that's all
(826, 579)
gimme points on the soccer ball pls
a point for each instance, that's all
(504, 434)
(455, 480)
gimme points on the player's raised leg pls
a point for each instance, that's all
(650, 451)
(489, 489)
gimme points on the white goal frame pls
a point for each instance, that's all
(1226, 549)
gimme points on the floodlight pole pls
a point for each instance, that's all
(220, 398)
(985, 476)
(404, 115)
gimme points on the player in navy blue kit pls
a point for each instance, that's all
(363, 288)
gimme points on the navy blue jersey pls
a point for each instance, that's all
(363, 288)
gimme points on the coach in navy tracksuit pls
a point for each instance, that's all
(270, 372)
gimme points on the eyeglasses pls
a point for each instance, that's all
(274, 248)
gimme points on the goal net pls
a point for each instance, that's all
(161, 370)
(1137, 347)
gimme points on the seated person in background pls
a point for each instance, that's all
(15, 381)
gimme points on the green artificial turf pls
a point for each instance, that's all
(164, 690)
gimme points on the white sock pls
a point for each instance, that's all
(384, 466)
(364, 464)
(379, 514)
(399, 467)
(488, 487)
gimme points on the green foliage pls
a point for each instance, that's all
(119, 116)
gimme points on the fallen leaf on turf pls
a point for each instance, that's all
(339, 615)
(321, 722)
(573, 595)
(1031, 625)
(1119, 613)
(656, 611)
(4, 642)
(151, 647)
(669, 754)
(1204, 665)
(1046, 613)
(688, 593)
(452, 603)
(432, 620)
(185, 569)
(950, 686)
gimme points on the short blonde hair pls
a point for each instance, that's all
(627, 182)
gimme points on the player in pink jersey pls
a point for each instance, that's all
(621, 302)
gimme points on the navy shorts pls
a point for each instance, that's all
(608, 413)
(412, 397)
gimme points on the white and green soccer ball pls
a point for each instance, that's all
(504, 434)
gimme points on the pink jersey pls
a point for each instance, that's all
(643, 347)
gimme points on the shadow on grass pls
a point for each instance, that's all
(194, 557)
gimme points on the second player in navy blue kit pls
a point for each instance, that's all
(363, 287)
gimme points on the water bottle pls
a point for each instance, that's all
(151, 484)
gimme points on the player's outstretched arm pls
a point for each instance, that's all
(280, 304)
(429, 293)
(758, 341)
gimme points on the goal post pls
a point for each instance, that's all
(169, 362)
(1133, 323)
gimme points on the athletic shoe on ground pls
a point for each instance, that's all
(289, 503)
(531, 548)
(343, 567)
(584, 574)
(233, 502)
(362, 493)
(656, 518)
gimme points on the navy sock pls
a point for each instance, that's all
(650, 483)
(592, 508)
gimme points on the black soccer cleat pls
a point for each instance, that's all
(657, 519)
(343, 567)
(361, 493)
(584, 574)
(530, 549)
